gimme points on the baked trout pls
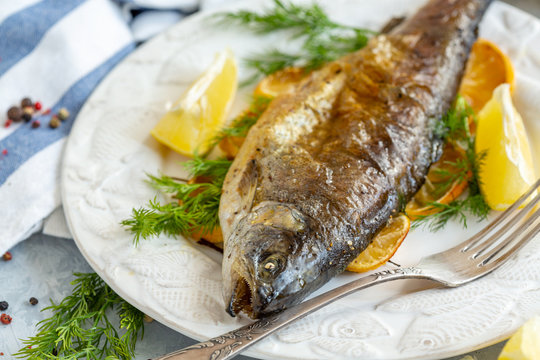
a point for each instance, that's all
(325, 166)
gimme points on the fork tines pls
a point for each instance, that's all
(512, 227)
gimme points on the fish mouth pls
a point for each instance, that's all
(242, 298)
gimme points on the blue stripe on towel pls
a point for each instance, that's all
(25, 142)
(22, 31)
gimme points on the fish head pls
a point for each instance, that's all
(267, 265)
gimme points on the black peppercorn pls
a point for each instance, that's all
(3, 305)
(26, 102)
(33, 301)
(26, 117)
(35, 124)
(14, 113)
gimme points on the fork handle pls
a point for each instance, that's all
(229, 345)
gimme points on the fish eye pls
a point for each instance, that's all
(271, 266)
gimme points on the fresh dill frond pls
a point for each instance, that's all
(454, 125)
(284, 15)
(271, 61)
(240, 125)
(155, 219)
(445, 212)
(80, 326)
(214, 170)
(323, 39)
(459, 210)
(196, 206)
(331, 45)
(196, 203)
(455, 128)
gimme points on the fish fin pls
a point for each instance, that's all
(392, 24)
(248, 184)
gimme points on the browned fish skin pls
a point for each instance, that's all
(324, 168)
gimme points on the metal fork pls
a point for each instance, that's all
(470, 260)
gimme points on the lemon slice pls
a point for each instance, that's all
(195, 117)
(507, 170)
(383, 246)
(525, 343)
(282, 81)
(487, 67)
(420, 204)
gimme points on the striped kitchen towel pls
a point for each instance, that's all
(56, 52)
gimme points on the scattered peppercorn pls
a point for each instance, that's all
(55, 122)
(7, 256)
(35, 124)
(26, 102)
(28, 110)
(7, 123)
(33, 301)
(26, 117)
(5, 319)
(46, 112)
(37, 105)
(4, 152)
(63, 114)
(3, 305)
(14, 113)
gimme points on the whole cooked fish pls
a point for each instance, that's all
(325, 167)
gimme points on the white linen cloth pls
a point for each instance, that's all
(56, 52)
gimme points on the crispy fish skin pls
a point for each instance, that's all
(325, 167)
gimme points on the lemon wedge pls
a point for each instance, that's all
(525, 343)
(195, 117)
(507, 170)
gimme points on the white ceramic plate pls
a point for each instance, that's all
(179, 284)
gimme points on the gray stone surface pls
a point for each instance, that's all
(42, 267)
(531, 6)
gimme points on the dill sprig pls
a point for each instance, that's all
(214, 169)
(459, 210)
(284, 15)
(196, 202)
(270, 61)
(454, 127)
(240, 125)
(80, 326)
(196, 206)
(323, 39)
